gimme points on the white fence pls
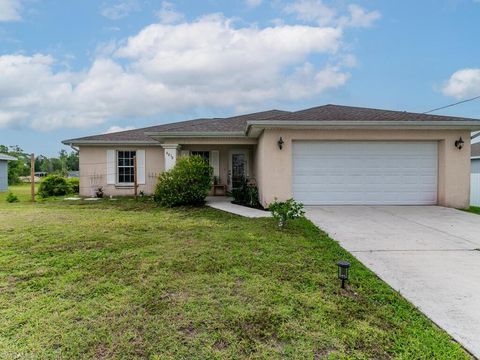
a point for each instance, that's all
(475, 190)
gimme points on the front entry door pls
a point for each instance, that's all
(238, 168)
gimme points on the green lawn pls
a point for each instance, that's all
(474, 209)
(127, 280)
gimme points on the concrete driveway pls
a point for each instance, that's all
(429, 254)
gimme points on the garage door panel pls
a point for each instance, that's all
(365, 172)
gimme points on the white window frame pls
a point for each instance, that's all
(117, 167)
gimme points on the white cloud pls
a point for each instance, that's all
(168, 15)
(312, 11)
(115, 128)
(359, 17)
(316, 11)
(307, 80)
(253, 3)
(10, 10)
(463, 83)
(120, 9)
(207, 63)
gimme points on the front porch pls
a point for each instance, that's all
(232, 163)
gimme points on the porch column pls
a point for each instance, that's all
(171, 153)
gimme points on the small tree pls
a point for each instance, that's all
(282, 211)
(188, 183)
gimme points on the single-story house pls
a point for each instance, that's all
(4, 159)
(475, 178)
(327, 155)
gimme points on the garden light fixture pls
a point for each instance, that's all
(343, 267)
(459, 143)
(280, 143)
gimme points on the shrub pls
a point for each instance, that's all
(53, 185)
(188, 183)
(286, 210)
(247, 194)
(11, 197)
(74, 185)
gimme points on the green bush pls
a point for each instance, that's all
(282, 211)
(74, 185)
(11, 197)
(247, 194)
(188, 183)
(53, 185)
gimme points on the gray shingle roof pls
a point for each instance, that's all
(133, 135)
(476, 149)
(350, 113)
(231, 124)
(237, 124)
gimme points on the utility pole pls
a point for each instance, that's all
(32, 175)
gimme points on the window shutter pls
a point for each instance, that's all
(111, 168)
(184, 153)
(215, 162)
(140, 154)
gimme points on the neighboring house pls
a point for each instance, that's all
(328, 155)
(475, 179)
(4, 159)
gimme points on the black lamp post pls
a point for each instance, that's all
(343, 267)
(459, 143)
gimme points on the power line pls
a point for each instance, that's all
(457, 103)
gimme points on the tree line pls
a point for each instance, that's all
(61, 164)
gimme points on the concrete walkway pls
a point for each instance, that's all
(427, 253)
(225, 204)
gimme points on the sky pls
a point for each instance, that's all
(82, 67)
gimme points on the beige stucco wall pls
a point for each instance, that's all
(93, 166)
(93, 169)
(274, 166)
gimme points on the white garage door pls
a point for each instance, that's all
(365, 173)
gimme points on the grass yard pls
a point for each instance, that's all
(474, 209)
(129, 280)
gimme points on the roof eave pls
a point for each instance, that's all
(75, 142)
(180, 134)
(472, 125)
